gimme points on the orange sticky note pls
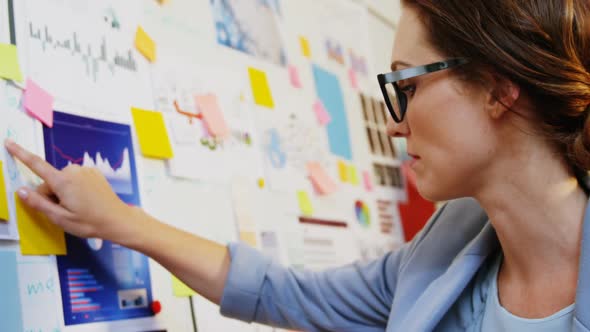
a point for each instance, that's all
(321, 113)
(353, 80)
(145, 44)
(305, 49)
(212, 115)
(294, 77)
(39, 103)
(322, 182)
(154, 141)
(9, 67)
(38, 236)
(367, 180)
(4, 214)
(260, 89)
(304, 203)
(343, 171)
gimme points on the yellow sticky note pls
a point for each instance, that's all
(249, 238)
(145, 45)
(38, 236)
(180, 289)
(305, 49)
(9, 67)
(260, 89)
(304, 203)
(4, 214)
(151, 132)
(343, 171)
(353, 176)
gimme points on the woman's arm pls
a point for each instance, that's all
(81, 201)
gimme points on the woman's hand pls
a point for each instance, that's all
(78, 199)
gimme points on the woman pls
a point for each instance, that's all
(493, 100)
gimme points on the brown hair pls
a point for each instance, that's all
(541, 45)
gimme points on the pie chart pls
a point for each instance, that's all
(362, 214)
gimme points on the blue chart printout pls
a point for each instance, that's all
(100, 281)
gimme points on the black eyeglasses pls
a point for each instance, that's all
(395, 99)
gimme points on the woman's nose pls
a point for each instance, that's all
(395, 129)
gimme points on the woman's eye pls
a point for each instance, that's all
(409, 90)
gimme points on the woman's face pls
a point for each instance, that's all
(449, 134)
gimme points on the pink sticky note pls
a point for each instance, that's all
(367, 180)
(294, 76)
(39, 103)
(353, 81)
(321, 113)
(320, 179)
(212, 115)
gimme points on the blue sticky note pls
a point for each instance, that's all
(330, 93)
(10, 307)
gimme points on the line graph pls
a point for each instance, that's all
(118, 174)
(72, 45)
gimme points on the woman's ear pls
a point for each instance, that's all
(502, 96)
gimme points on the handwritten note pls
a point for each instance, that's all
(294, 77)
(321, 113)
(145, 44)
(322, 182)
(4, 214)
(305, 49)
(39, 103)
(9, 67)
(151, 132)
(260, 88)
(209, 106)
(304, 203)
(38, 236)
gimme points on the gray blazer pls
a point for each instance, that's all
(438, 281)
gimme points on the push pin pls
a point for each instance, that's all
(156, 307)
(261, 183)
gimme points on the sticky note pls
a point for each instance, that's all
(353, 176)
(38, 235)
(294, 77)
(151, 132)
(4, 214)
(305, 49)
(304, 203)
(260, 89)
(353, 80)
(10, 306)
(9, 67)
(321, 113)
(39, 103)
(322, 182)
(367, 181)
(180, 289)
(212, 115)
(249, 238)
(343, 171)
(145, 45)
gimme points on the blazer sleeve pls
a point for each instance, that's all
(355, 297)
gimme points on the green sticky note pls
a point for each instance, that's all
(304, 203)
(9, 67)
(180, 289)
